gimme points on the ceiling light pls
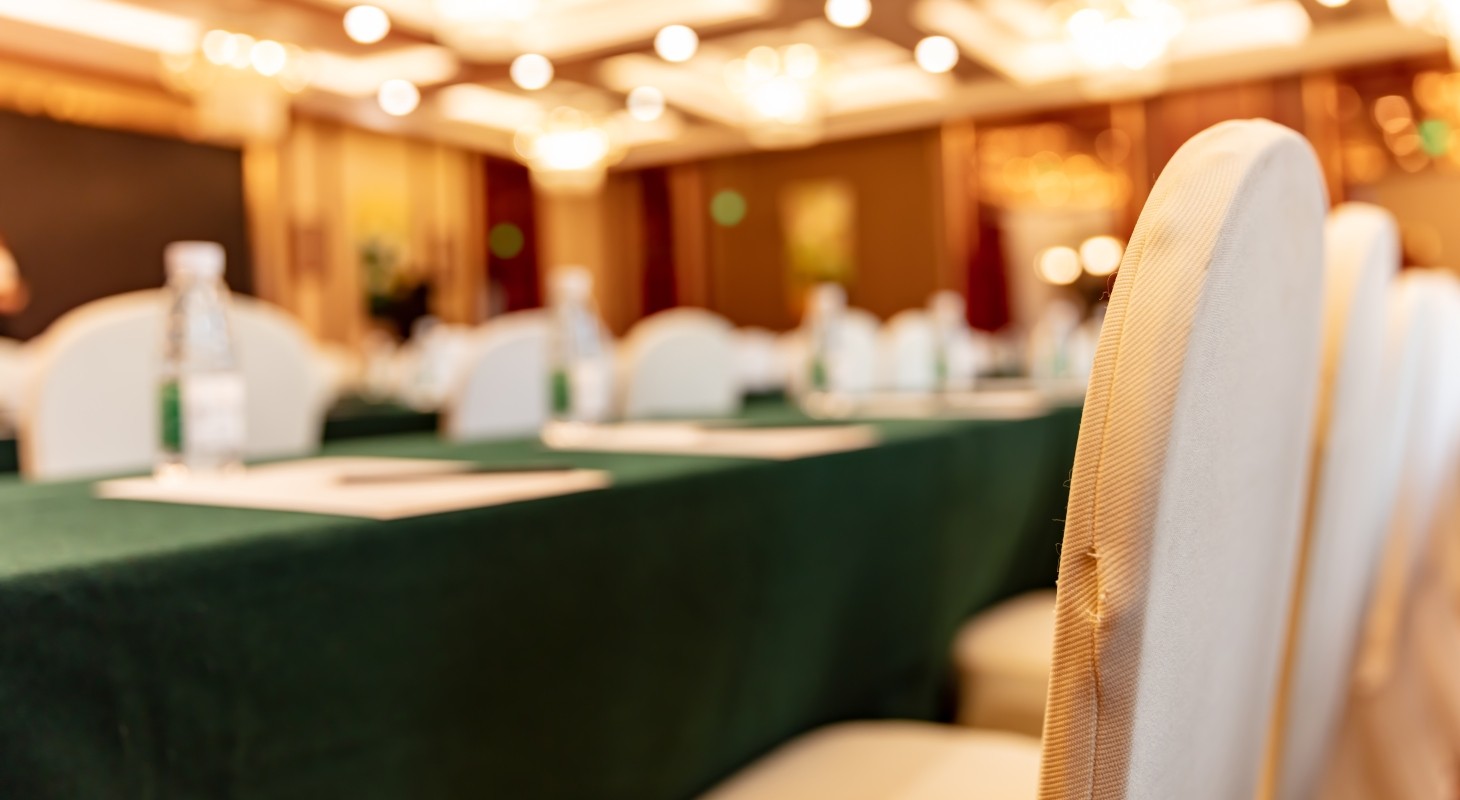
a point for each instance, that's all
(1058, 265)
(646, 104)
(848, 13)
(268, 57)
(121, 23)
(936, 54)
(676, 43)
(398, 97)
(531, 71)
(1101, 255)
(366, 24)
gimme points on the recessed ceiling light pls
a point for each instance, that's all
(398, 97)
(366, 24)
(936, 54)
(531, 71)
(676, 43)
(848, 13)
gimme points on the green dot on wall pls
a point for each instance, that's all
(1434, 137)
(727, 208)
(505, 240)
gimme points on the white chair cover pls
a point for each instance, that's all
(1352, 484)
(907, 353)
(758, 360)
(503, 387)
(12, 378)
(679, 363)
(1187, 495)
(91, 404)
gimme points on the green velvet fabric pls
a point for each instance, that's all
(637, 643)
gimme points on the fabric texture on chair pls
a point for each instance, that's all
(1349, 504)
(1003, 661)
(679, 363)
(891, 760)
(91, 407)
(503, 388)
(1189, 484)
(1391, 743)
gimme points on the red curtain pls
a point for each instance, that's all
(510, 202)
(988, 288)
(660, 289)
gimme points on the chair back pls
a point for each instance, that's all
(1353, 463)
(758, 360)
(679, 363)
(12, 377)
(503, 388)
(1190, 479)
(91, 402)
(907, 352)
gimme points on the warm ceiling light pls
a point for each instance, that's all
(936, 54)
(1333, 3)
(676, 43)
(366, 24)
(1101, 255)
(1058, 265)
(848, 13)
(646, 104)
(531, 71)
(121, 23)
(398, 97)
(268, 57)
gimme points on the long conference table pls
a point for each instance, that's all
(635, 643)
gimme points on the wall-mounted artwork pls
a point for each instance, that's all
(818, 221)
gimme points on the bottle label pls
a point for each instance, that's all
(171, 418)
(211, 413)
(561, 393)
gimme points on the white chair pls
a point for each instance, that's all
(907, 353)
(758, 361)
(503, 390)
(343, 370)
(1185, 510)
(1352, 494)
(679, 363)
(91, 402)
(12, 378)
(852, 366)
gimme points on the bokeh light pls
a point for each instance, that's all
(506, 240)
(366, 24)
(676, 43)
(646, 104)
(268, 57)
(531, 71)
(936, 54)
(728, 208)
(1101, 255)
(398, 97)
(1058, 265)
(848, 13)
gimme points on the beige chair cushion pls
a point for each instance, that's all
(891, 761)
(1003, 658)
(1352, 492)
(1190, 478)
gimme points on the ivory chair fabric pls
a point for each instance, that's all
(1391, 742)
(12, 377)
(503, 389)
(907, 353)
(679, 363)
(1351, 495)
(1003, 662)
(758, 360)
(1188, 490)
(91, 402)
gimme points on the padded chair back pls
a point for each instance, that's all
(679, 363)
(91, 404)
(853, 363)
(1190, 477)
(503, 390)
(1349, 506)
(758, 360)
(907, 353)
(12, 376)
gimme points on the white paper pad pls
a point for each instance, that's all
(997, 404)
(779, 444)
(318, 485)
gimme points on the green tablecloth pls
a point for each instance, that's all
(636, 643)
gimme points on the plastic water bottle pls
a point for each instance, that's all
(823, 393)
(202, 390)
(582, 378)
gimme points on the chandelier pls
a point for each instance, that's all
(569, 151)
(483, 28)
(1122, 44)
(780, 92)
(240, 85)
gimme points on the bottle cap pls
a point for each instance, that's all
(572, 284)
(194, 259)
(827, 298)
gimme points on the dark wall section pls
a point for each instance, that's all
(87, 211)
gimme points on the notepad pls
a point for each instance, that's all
(778, 444)
(998, 404)
(333, 486)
